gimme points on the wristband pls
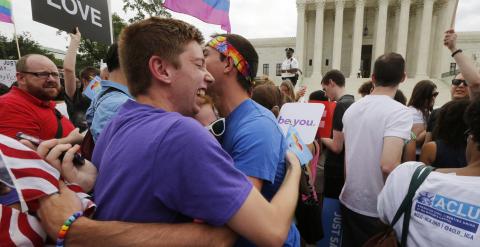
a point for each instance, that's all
(456, 52)
(65, 227)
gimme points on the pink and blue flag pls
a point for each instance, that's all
(6, 11)
(209, 11)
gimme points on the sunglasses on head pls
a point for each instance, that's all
(457, 82)
(217, 127)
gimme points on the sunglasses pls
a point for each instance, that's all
(217, 127)
(467, 134)
(457, 82)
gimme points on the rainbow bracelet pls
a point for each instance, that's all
(64, 229)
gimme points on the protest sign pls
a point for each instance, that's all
(296, 145)
(93, 88)
(332, 223)
(8, 72)
(305, 117)
(326, 124)
(92, 17)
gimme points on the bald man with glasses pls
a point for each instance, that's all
(29, 107)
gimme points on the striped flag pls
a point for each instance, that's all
(19, 229)
(6, 11)
(33, 178)
(209, 11)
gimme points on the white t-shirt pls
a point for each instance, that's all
(365, 124)
(289, 63)
(417, 115)
(445, 208)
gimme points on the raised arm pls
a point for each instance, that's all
(69, 64)
(465, 64)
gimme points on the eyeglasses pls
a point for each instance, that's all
(457, 82)
(435, 94)
(43, 75)
(467, 134)
(217, 127)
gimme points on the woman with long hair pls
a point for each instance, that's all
(447, 150)
(421, 104)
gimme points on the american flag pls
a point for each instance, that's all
(22, 169)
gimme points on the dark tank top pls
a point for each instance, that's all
(449, 157)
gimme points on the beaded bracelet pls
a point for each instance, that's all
(64, 229)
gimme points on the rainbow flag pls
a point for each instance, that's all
(6, 11)
(209, 11)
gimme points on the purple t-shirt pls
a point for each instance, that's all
(157, 166)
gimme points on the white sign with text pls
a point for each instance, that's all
(8, 72)
(305, 117)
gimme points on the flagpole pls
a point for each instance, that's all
(15, 35)
(452, 24)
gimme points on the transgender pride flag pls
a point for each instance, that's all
(6, 11)
(209, 11)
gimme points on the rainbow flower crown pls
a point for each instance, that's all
(221, 44)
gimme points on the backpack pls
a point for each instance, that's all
(88, 144)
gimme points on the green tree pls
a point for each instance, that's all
(144, 9)
(8, 48)
(91, 52)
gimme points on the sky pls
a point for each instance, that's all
(250, 18)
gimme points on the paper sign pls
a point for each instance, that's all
(296, 145)
(305, 117)
(326, 124)
(93, 88)
(8, 72)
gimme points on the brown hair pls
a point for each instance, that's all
(22, 63)
(88, 73)
(268, 96)
(290, 96)
(164, 37)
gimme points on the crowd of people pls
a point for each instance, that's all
(181, 146)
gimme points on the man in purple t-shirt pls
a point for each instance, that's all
(157, 165)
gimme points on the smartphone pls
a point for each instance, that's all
(78, 160)
(74, 30)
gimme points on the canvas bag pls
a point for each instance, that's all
(388, 237)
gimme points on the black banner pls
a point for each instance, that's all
(92, 17)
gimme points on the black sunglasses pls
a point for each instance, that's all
(457, 82)
(467, 134)
(217, 127)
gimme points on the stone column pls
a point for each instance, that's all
(357, 37)
(318, 47)
(337, 34)
(425, 31)
(403, 28)
(381, 29)
(300, 42)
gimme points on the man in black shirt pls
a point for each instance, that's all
(333, 84)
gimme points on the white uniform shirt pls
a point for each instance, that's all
(365, 124)
(445, 208)
(289, 63)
